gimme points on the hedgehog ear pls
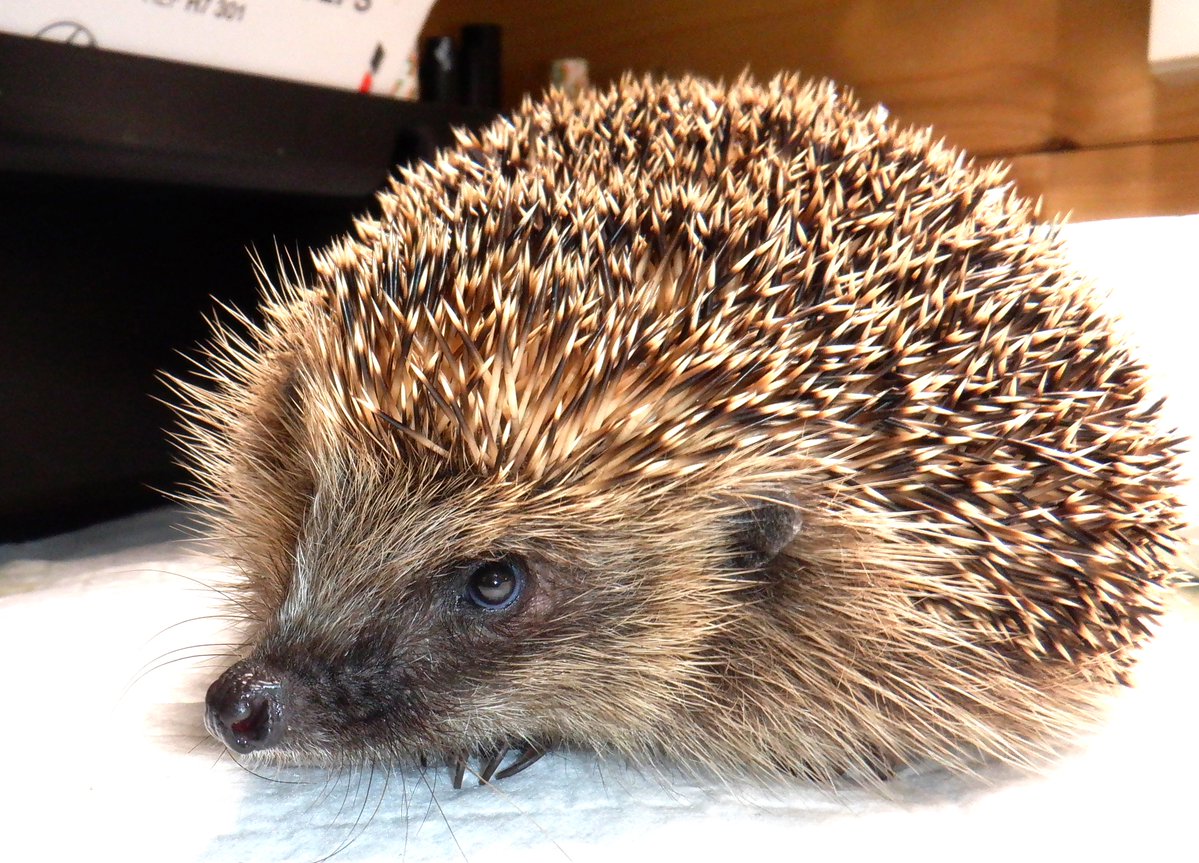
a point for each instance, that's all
(765, 527)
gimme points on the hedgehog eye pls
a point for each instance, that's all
(496, 584)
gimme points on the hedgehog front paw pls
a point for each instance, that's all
(489, 769)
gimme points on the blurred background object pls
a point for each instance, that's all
(439, 70)
(1174, 39)
(330, 43)
(482, 80)
(570, 73)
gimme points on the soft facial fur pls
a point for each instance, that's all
(815, 453)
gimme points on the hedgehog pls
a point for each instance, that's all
(723, 425)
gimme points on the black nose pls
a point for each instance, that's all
(246, 708)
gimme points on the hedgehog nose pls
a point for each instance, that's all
(245, 708)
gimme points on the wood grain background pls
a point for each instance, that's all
(1060, 88)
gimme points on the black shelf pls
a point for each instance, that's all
(79, 111)
(131, 190)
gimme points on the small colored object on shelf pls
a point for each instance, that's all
(481, 81)
(439, 70)
(368, 79)
(570, 74)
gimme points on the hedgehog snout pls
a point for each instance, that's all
(247, 708)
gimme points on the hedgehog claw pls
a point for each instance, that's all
(492, 764)
(527, 758)
(459, 771)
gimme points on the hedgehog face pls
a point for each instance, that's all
(466, 614)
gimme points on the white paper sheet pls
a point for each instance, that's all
(363, 45)
(96, 768)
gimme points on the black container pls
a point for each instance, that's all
(481, 84)
(439, 71)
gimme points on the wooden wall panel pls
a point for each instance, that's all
(1114, 182)
(1002, 78)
